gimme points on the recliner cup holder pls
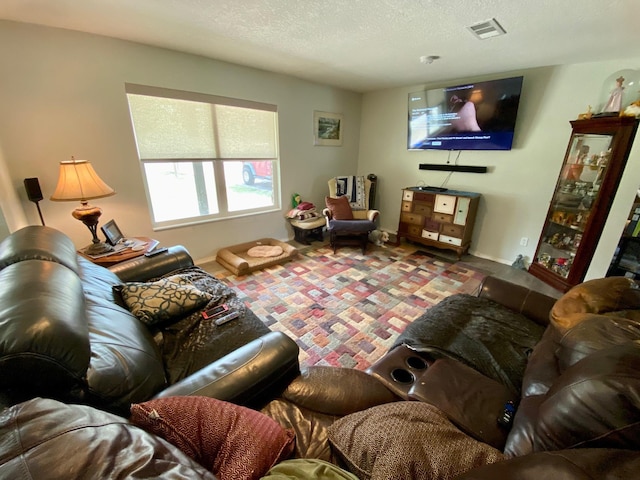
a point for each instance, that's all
(400, 375)
(400, 369)
(416, 363)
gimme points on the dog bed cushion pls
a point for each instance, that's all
(262, 251)
(236, 258)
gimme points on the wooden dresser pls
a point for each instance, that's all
(438, 219)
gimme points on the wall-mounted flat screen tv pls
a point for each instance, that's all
(473, 116)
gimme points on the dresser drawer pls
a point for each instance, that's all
(422, 209)
(462, 210)
(406, 206)
(450, 240)
(430, 235)
(452, 230)
(445, 204)
(407, 195)
(414, 230)
(442, 218)
(424, 197)
(431, 225)
(411, 218)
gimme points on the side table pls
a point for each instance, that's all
(125, 254)
(304, 230)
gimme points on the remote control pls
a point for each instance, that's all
(155, 252)
(227, 318)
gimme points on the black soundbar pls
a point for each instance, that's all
(452, 168)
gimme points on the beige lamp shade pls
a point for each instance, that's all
(77, 180)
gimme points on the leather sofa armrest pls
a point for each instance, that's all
(518, 298)
(141, 269)
(337, 391)
(252, 375)
(575, 464)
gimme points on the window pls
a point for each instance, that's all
(204, 157)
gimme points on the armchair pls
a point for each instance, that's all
(348, 215)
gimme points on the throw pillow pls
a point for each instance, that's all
(306, 468)
(159, 301)
(339, 208)
(599, 296)
(234, 442)
(406, 440)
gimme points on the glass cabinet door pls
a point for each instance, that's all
(576, 192)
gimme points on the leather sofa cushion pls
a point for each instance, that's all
(542, 367)
(53, 440)
(337, 391)
(44, 345)
(594, 333)
(311, 428)
(520, 438)
(38, 243)
(125, 366)
(578, 464)
(594, 403)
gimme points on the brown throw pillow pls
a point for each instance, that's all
(339, 207)
(406, 440)
(599, 296)
(234, 442)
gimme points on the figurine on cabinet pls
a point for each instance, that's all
(632, 110)
(586, 115)
(615, 99)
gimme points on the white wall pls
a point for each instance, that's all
(517, 189)
(62, 94)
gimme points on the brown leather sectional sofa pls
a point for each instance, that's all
(72, 359)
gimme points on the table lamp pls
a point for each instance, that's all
(79, 181)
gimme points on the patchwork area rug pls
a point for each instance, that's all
(346, 309)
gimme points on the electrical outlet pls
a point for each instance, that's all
(524, 241)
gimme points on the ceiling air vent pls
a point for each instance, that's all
(487, 29)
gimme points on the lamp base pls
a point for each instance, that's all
(97, 249)
(89, 215)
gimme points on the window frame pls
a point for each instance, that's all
(218, 163)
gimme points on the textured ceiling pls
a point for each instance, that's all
(359, 45)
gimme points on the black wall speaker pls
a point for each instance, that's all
(452, 168)
(33, 189)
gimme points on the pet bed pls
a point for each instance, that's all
(237, 259)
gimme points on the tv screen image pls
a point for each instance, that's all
(472, 116)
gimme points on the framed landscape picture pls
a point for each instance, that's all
(327, 129)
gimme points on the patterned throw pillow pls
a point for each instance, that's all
(406, 440)
(234, 442)
(339, 207)
(160, 301)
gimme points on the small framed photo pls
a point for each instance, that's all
(111, 232)
(327, 129)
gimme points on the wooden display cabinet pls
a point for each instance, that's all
(593, 164)
(438, 219)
